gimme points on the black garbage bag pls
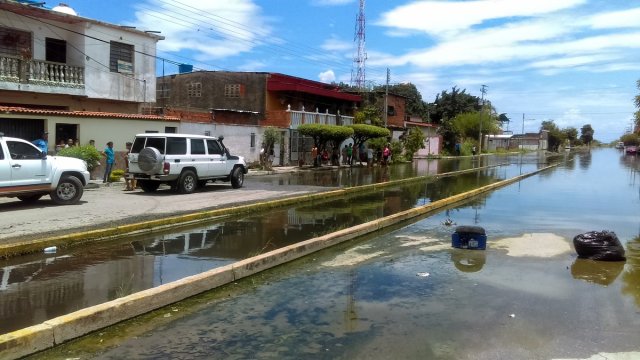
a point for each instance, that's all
(599, 245)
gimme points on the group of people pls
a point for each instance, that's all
(350, 155)
(108, 153)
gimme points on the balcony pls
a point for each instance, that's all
(39, 73)
(297, 118)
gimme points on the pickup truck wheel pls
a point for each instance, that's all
(237, 177)
(69, 191)
(148, 186)
(188, 182)
(30, 198)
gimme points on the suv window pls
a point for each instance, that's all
(23, 151)
(157, 143)
(176, 146)
(214, 147)
(1, 153)
(197, 147)
(138, 145)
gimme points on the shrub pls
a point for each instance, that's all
(116, 175)
(88, 153)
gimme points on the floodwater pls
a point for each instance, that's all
(38, 287)
(407, 294)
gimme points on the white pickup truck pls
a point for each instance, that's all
(28, 173)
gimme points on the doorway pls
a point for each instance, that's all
(64, 132)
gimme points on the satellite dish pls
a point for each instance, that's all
(65, 9)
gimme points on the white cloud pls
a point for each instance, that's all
(334, 44)
(253, 66)
(331, 2)
(211, 29)
(327, 76)
(616, 19)
(440, 17)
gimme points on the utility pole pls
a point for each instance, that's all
(386, 97)
(483, 90)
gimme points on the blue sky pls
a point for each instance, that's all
(572, 61)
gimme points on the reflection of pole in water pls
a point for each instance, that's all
(351, 315)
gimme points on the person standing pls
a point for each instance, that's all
(43, 142)
(369, 157)
(130, 182)
(349, 154)
(109, 154)
(386, 153)
(314, 155)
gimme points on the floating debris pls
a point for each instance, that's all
(50, 250)
(448, 222)
(423, 274)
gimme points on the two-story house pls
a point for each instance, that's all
(75, 77)
(240, 105)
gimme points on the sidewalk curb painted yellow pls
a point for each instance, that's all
(58, 330)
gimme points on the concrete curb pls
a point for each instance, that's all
(58, 330)
(162, 224)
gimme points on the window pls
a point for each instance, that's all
(391, 110)
(214, 148)
(170, 129)
(194, 89)
(197, 147)
(163, 90)
(232, 90)
(157, 143)
(121, 58)
(253, 140)
(23, 151)
(1, 154)
(56, 50)
(15, 43)
(176, 146)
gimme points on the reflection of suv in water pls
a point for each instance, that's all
(183, 161)
(26, 172)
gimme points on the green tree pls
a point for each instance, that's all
(270, 137)
(369, 114)
(468, 124)
(570, 134)
(637, 113)
(413, 142)
(586, 134)
(322, 133)
(556, 137)
(630, 139)
(364, 132)
(448, 105)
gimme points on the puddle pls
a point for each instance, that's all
(541, 245)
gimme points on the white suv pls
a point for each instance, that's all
(183, 161)
(28, 173)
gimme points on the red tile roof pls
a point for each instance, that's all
(93, 114)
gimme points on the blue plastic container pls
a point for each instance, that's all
(469, 237)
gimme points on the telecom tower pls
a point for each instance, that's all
(357, 72)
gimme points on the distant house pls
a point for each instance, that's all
(240, 105)
(530, 141)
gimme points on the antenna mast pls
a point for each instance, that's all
(358, 70)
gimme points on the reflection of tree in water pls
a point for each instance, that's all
(630, 161)
(585, 160)
(631, 277)
(454, 185)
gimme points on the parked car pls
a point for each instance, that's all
(183, 161)
(28, 173)
(619, 145)
(631, 150)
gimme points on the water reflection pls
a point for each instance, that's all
(631, 276)
(597, 272)
(468, 260)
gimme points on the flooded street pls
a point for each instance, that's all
(407, 294)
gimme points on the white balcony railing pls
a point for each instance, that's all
(298, 118)
(40, 72)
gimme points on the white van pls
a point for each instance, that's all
(183, 161)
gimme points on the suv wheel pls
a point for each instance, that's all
(68, 191)
(148, 186)
(150, 160)
(237, 177)
(188, 182)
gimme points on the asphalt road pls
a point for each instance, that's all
(107, 206)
